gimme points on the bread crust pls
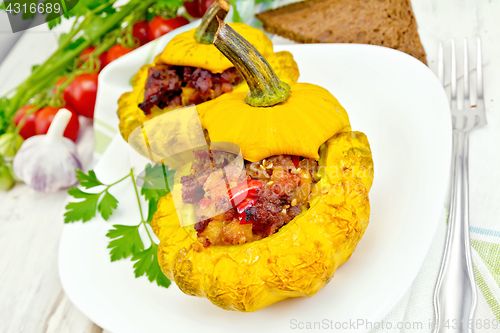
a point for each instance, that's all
(389, 23)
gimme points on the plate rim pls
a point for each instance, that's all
(444, 173)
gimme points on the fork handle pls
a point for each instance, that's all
(455, 297)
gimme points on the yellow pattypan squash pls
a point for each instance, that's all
(297, 261)
(189, 49)
(301, 257)
(298, 126)
(274, 118)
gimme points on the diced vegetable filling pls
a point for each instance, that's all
(173, 86)
(237, 205)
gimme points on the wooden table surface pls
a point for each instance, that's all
(31, 296)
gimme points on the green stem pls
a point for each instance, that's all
(266, 89)
(131, 174)
(147, 231)
(207, 29)
(109, 41)
(68, 39)
(36, 88)
(143, 222)
(136, 193)
(22, 97)
(90, 66)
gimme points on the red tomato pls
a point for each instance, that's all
(102, 57)
(197, 8)
(28, 129)
(116, 51)
(140, 30)
(81, 93)
(160, 26)
(45, 116)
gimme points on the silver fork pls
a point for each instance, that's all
(455, 297)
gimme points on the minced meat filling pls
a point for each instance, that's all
(241, 206)
(172, 86)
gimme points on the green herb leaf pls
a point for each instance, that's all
(152, 207)
(165, 8)
(82, 210)
(156, 179)
(29, 14)
(86, 209)
(169, 5)
(62, 38)
(75, 44)
(5, 106)
(146, 262)
(107, 204)
(69, 4)
(34, 67)
(54, 17)
(126, 241)
(83, 7)
(87, 181)
(53, 22)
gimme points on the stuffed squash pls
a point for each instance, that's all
(190, 70)
(279, 225)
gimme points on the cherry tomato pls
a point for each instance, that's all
(102, 57)
(116, 51)
(81, 93)
(45, 116)
(160, 26)
(197, 8)
(28, 129)
(140, 30)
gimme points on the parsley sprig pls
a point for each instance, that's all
(125, 240)
(86, 209)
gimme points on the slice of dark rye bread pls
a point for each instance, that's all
(389, 23)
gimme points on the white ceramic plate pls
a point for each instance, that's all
(396, 101)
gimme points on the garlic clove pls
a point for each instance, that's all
(47, 163)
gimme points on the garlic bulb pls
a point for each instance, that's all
(47, 163)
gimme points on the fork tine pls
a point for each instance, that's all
(441, 64)
(453, 75)
(466, 75)
(479, 71)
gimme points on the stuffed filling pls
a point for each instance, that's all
(240, 204)
(173, 86)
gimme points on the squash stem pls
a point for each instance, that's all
(266, 89)
(205, 32)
